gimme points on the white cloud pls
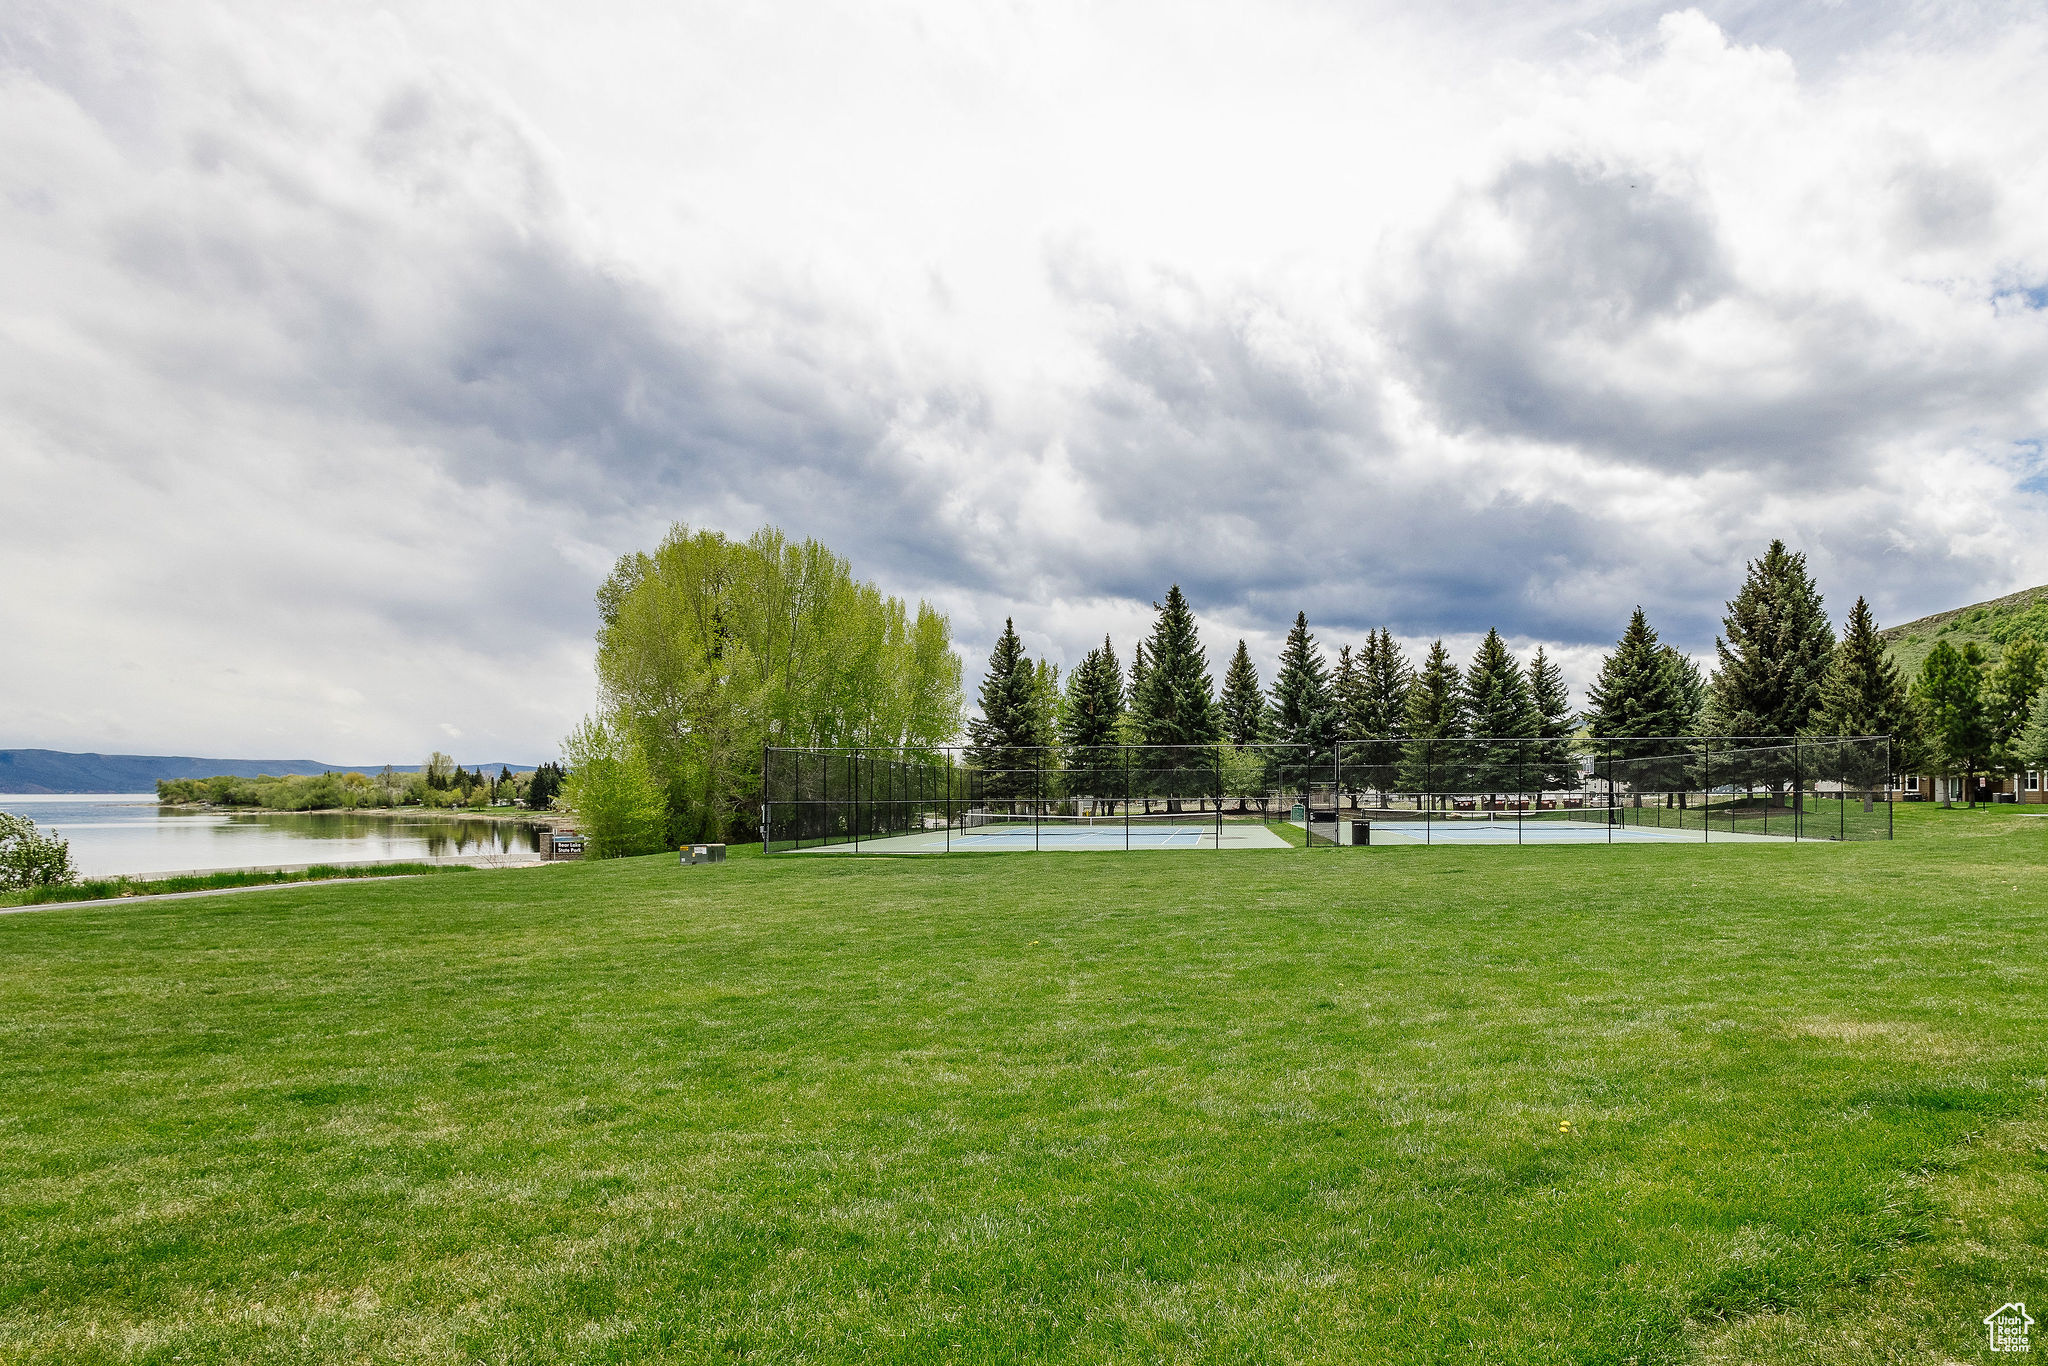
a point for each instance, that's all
(343, 352)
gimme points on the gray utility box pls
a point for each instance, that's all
(703, 853)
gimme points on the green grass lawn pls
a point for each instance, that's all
(1742, 1103)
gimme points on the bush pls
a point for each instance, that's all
(29, 858)
(618, 805)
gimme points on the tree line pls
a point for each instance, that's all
(1780, 672)
(439, 784)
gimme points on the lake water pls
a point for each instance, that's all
(129, 834)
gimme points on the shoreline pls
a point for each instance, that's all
(517, 814)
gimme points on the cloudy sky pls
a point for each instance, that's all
(342, 350)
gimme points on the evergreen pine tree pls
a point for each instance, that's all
(1091, 724)
(1434, 716)
(1385, 680)
(1135, 698)
(1864, 694)
(1638, 692)
(1374, 754)
(1495, 698)
(1949, 696)
(1178, 704)
(1347, 687)
(1776, 653)
(1304, 711)
(1244, 704)
(1692, 690)
(1552, 701)
(1004, 739)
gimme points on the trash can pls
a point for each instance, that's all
(1361, 832)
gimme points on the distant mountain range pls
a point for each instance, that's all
(1992, 625)
(50, 770)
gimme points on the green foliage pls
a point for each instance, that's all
(1776, 653)
(1384, 681)
(2009, 695)
(544, 786)
(1006, 739)
(30, 858)
(1091, 721)
(618, 804)
(1244, 702)
(1949, 696)
(1304, 710)
(1864, 693)
(1496, 697)
(2032, 749)
(1640, 691)
(1552, 702)
(1435, 712)
(709, 648)
(1496, 701)
(1176, 703)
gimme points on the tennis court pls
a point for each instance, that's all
(997, 833)
(1508, 830)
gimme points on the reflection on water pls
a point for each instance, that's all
(129, 834)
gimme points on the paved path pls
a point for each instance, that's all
(180, 896)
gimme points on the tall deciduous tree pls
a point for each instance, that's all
(709, 648)
(1638, 691)
(1949, 696)
(1244, 703)
(2033, 745)
(1776, 652)
(618, 804)
(2009, 698)
(1865, 694)
(1178, 699)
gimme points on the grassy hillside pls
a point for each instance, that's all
(1747, 1103)
(1990, 624)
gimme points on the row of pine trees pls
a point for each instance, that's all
(1780, 672)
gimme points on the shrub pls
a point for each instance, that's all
(29, 858)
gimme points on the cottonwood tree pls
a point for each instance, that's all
(618, 804)
(709, 648)
(1949, 696)
(2009, 695)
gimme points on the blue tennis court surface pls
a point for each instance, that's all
(1455, 831)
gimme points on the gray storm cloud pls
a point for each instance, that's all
(342, 355)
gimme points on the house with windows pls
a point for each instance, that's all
(2028, 787)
